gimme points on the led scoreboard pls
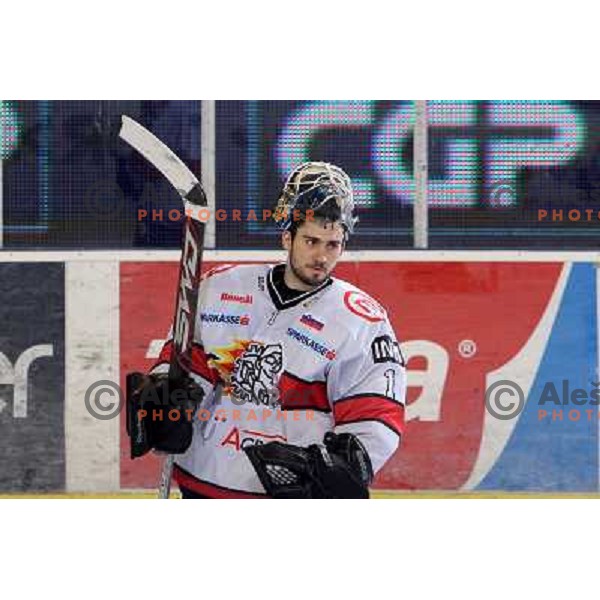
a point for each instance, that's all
(492, 166)
(502, 174)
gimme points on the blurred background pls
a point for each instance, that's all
(69, 182)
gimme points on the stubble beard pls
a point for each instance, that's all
(312, 282)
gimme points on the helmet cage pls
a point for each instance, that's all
(309, 187)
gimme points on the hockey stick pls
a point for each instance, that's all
(190, 266)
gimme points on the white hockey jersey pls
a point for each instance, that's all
(327, 360)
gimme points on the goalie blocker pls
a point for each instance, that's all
(338, 468)
(150, 399)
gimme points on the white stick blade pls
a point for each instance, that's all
(159, 154)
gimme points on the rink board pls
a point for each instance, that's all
(464, 323)
(376, 495)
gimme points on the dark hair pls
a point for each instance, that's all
(329, 212)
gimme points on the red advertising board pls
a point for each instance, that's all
(456, 322)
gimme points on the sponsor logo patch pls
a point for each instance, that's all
(243, 438)
(311, 322)
(225, 319)
(309, 342)
(384, 350)
(238, 298)
(363, 306)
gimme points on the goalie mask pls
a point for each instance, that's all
(309, 187)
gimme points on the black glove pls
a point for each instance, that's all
(338, 468)
(160, 412)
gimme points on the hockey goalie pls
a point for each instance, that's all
(297, 385)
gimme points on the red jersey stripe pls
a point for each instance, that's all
(370, 408)
(210, 490)
(298, 394)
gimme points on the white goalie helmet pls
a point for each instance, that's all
(309, 186)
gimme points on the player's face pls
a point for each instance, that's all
(313, 253)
